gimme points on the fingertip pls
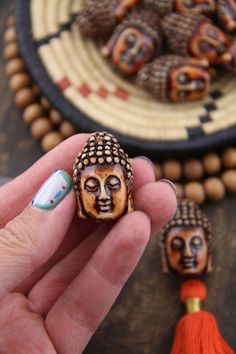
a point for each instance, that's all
(158, 200)
(143, 170)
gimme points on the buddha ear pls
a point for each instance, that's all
(130, 203)
(209, 264)
(165, 267)
(107, 49)
(79, 209)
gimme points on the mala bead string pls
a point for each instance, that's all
(46, 124)
(209, 178)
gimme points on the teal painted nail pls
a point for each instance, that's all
(53, 191)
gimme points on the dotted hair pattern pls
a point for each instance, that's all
(145, 20)
(97, 17)
(179, 30)
(162, 7)
(188, 214)
(154, 77)
(102, 149)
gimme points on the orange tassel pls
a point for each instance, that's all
(197, 332)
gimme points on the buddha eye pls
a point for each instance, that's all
(113, 183)
(196, 242)
(189, 3)
(204, 46)
(183, 78)
(92, 185)
(130, 40)
(177, 244)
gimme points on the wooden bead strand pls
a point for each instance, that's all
(46, 123)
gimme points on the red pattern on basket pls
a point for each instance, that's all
(86, 91)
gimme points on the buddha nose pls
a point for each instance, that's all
(103, 193)
(187, 250)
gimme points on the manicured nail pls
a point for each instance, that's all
(148, 160)
(171, 184)
(53, 191)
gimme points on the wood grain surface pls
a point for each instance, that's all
(144, 317)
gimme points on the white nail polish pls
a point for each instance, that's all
(53, 191)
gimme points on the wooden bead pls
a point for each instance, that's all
(55, 117)
(11, 21)
(158, 172)
(11, 51)
(24, 98)
(195, 191)
(36, 90)
(211, 163)
(45, 103)
(40, 128)
(229, 180)
(214, 188)
(193, 170)
(172, 170)
(10, 35)
(51, 140)
(179, 190)
(229, 158)
(33, 112)
(67, 129)
(19, 81)
(15, 66)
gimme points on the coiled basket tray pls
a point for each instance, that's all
(83, 86)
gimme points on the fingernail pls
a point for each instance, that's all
(53, 191)
(148, 160)
(171, 184)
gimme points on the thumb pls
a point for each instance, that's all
(30, 239)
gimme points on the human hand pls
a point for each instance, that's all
(59, 275)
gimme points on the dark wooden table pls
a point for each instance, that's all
(143, 319)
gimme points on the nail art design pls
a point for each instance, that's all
(53, 191)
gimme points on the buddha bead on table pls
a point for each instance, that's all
(186, 241)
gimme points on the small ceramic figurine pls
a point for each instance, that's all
(135, 42)
(103, 179)
(99, 18)
(186, 241)
(174, 78)
(165, 7)
(226, 13)
(194, 35)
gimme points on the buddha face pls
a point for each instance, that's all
(132, 50)
(103, 192)
(186, 250)
(227, 14)
(199, 6)
(209, 42)
(188, 83)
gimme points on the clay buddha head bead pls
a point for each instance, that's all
(174, 78)
(99, 18)
(103, 179)
(186, 241)
(226, 13)
(165, 7)
(134, 42)
(194, 35)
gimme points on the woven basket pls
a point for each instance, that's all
(82, 85)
